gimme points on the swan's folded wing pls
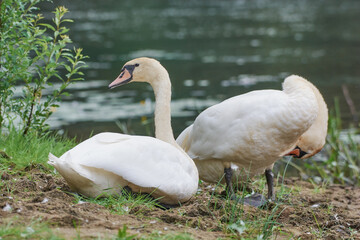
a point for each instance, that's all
(71, 171)
(143, 161)
(235, 126)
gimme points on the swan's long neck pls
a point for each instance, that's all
(302, 99)
(162, 90)
(302, 109)
(321, 121)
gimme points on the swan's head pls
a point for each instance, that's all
(140, 70)
(308, 145)
(313, 140)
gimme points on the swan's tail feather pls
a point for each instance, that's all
(184, 139)
(53, 160)
(76, 179)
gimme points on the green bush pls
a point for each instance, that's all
(34, 56)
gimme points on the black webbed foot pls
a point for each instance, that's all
(255, 200)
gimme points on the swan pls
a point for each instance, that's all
(108, 162)
(248, 133)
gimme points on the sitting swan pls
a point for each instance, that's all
(108, 162)
(251, 131)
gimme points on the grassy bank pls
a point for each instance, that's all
(28, 182)
(340, 158)
(22, 152)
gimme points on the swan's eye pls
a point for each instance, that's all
(136, 64)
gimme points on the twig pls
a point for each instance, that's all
(28, 123)
(351, 104)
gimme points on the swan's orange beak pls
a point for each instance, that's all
(124, 77)
(296, 152)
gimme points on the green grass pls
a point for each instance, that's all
(342, 150)
(34, 230)
(236, 220)
(125, 203)
(30, 150)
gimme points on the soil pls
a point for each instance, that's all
(306, 212)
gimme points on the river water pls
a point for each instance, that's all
(212, 50)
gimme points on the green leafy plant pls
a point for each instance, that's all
(35, 57)
(343, 153)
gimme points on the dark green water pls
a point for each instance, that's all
(212, 49)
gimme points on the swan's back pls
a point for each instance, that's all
(252, 130)
(247, 120)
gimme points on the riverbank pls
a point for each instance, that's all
(36, 202)
(39, 205)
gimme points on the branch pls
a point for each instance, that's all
(27, 126)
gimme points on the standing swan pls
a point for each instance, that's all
(108, 162)
(253, 130)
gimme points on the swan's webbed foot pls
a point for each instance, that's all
(255, 200)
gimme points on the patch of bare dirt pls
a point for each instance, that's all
(330, 213)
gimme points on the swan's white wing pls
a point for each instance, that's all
(143, 161)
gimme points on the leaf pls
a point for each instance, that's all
(58, 76)
(67, 20)
(32, 57)
(47, 26)
(70, 60)
(68, 68)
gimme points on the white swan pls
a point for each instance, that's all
(107, 162)
(251, 131)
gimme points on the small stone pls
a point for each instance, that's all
(126, 208)
(7, 208)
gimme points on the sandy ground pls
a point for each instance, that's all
(331, 212)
